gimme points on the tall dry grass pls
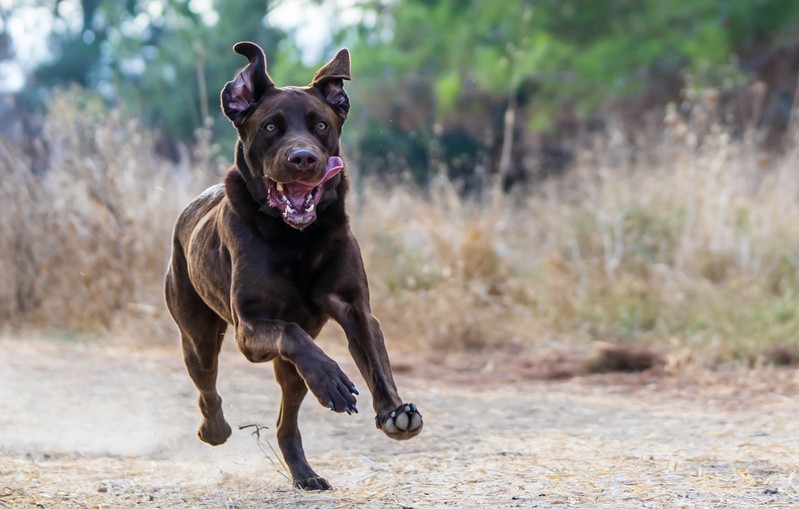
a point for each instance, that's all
(85, 243)
(690, 240)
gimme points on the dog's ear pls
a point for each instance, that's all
(249, 85)
(329, 80)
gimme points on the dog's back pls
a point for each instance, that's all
(205, 203)
(195, 229)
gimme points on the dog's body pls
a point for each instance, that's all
(271, 253)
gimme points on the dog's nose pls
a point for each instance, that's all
(303, 159)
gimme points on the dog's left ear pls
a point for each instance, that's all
(329, 80)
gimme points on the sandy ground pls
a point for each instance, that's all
(88, 425)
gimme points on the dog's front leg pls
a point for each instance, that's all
(293, 390)
(262, 340)
(398, 420)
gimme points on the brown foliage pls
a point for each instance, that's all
(691, 242)
(88, 239)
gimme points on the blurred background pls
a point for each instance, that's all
(526, 172)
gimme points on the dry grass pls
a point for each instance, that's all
(88, 239)
(691, 242)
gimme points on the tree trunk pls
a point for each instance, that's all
(507, 138)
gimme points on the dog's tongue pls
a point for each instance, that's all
(297, 192)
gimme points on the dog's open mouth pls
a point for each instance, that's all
(297, 200)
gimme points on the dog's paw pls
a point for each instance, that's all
(312, 484)
(401, 424)
(331, 386)
(214, 432)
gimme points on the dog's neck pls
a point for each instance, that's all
(247, 195)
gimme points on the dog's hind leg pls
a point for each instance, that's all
(200, 355)
(201, 335)
(288, 432)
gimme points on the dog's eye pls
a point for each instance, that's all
(270, 126)
(321, 126)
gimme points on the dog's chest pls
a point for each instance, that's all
(297, 269)
(290, 294)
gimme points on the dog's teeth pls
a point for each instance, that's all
(279, 186)
(310, 209)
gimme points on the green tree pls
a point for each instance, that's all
(161, 59)
(522, 60)
(454, 81)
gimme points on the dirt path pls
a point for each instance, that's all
(93, 426)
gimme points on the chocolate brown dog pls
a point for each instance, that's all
(270, 252)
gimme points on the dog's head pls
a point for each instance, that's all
(289, 137)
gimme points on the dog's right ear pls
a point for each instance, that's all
(250, 84)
